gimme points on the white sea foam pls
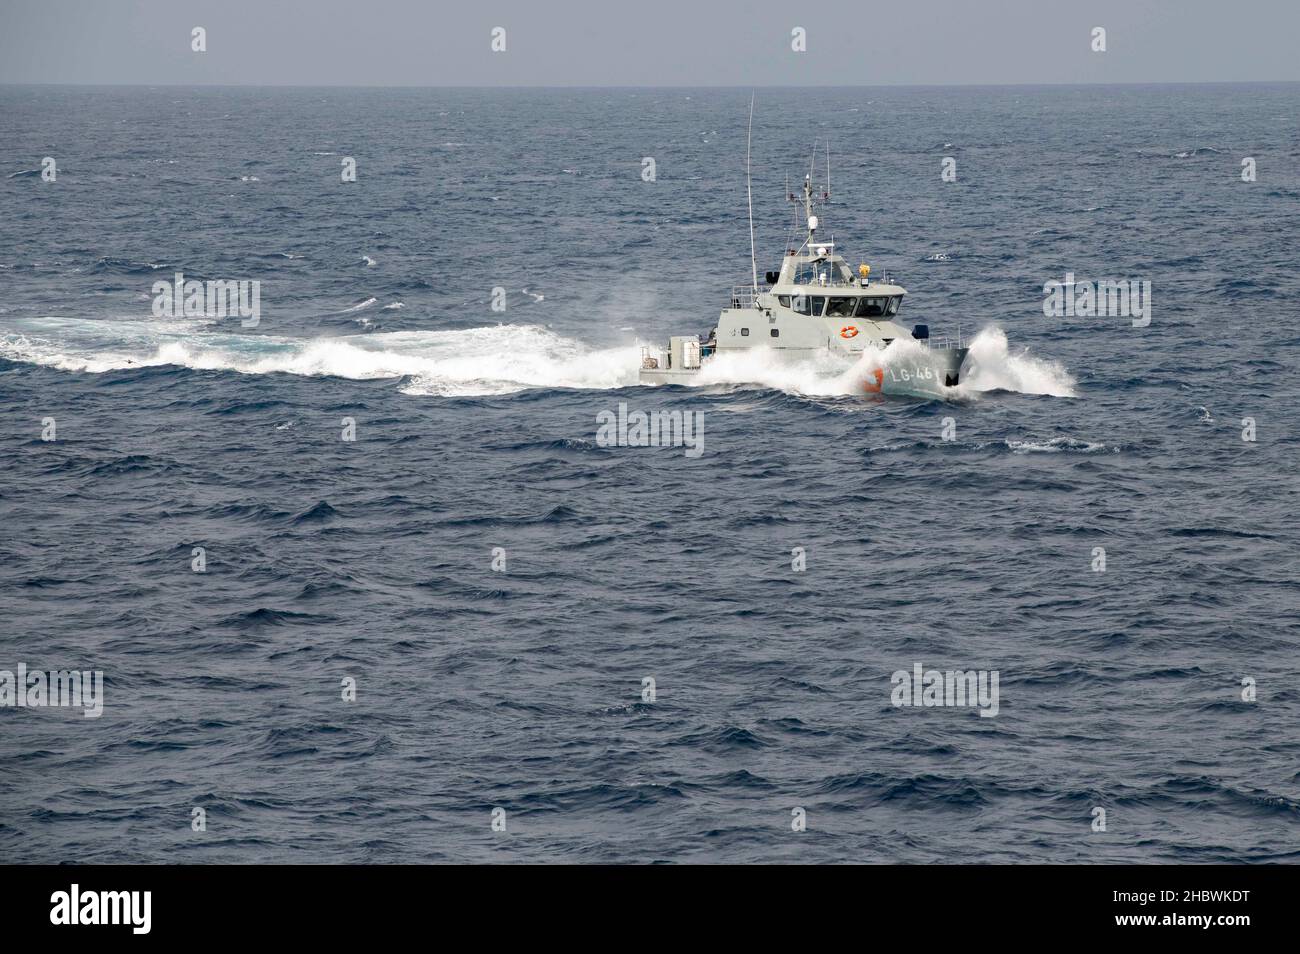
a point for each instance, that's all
(476, 361)
(1056, 445)
(491, 360)
(509, 358)
(825, 376)
(992, 367)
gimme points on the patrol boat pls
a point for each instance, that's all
(815, 304)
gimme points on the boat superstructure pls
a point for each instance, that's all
(813, 304)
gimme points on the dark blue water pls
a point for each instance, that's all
(522, 690)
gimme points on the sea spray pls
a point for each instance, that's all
(991, 367)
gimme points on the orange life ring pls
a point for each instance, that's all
(874, 387)
(848, 331)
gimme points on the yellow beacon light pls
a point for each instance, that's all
(864, 270)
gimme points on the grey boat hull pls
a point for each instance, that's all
(925, 375)
(928, 375)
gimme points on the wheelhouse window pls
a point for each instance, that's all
(872, 307)
(894, 302)
(840, 307)
(810, 305)
(784, 300)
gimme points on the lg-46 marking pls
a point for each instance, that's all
(920, 374)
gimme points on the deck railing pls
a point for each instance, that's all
(742, 296)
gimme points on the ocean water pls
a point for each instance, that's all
(521, 688)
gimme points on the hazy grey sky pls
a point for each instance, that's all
(647, 43)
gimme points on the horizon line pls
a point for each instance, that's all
(672, 86)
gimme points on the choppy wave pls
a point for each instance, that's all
(959, 536)
(1057, 445)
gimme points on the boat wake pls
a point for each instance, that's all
(493, 360)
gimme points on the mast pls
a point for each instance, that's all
(809, 199)
(828, 172)
(809, 218)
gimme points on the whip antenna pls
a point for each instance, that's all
(749, 192)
